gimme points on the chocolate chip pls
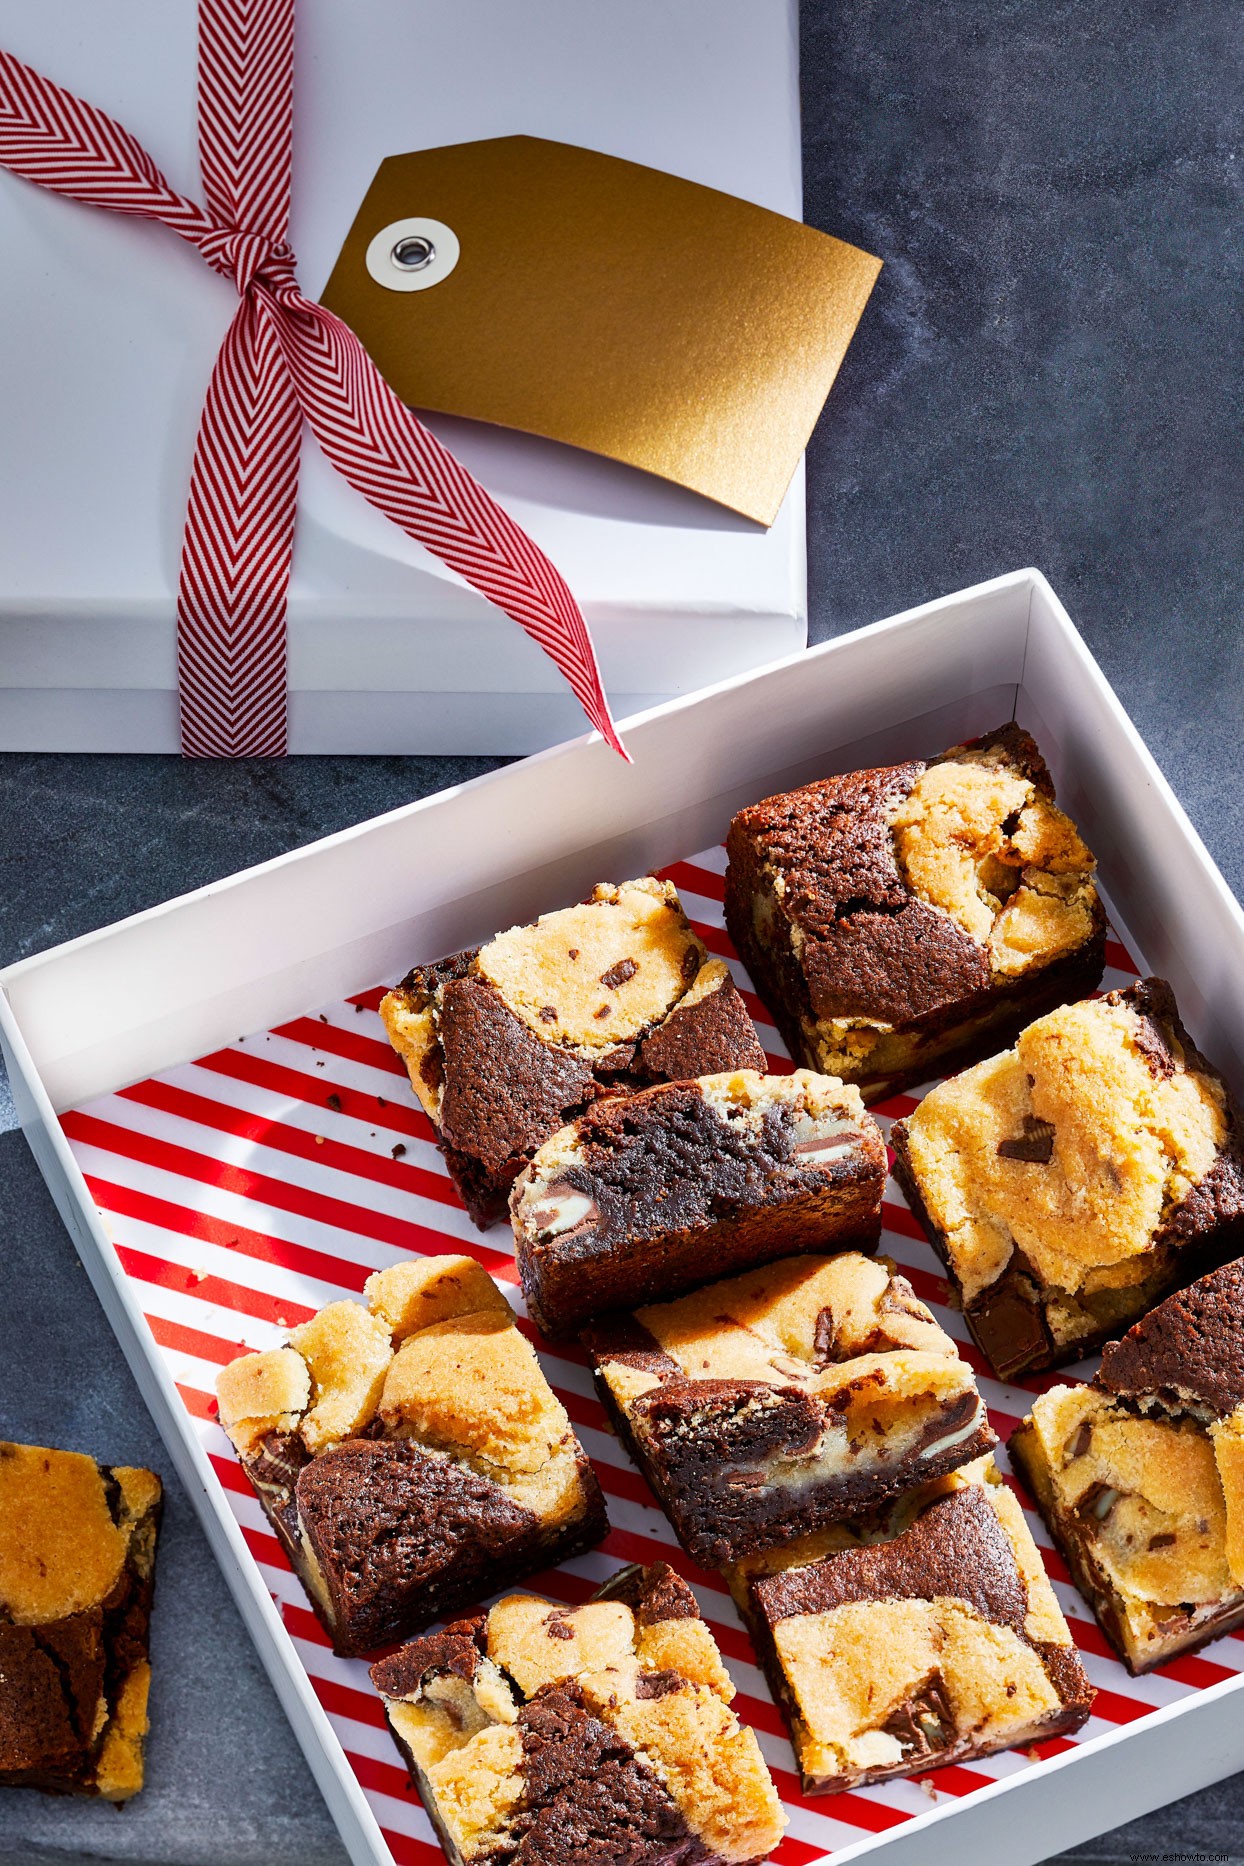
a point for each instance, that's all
(823, 1339)
(1078, 1443)
(1098, 1500)
(603, 1011)
(573, 951)
(690, 965)
(1164, 1541)
(618, 974)
(397, 1151)
(557, 1628)
(657, 1684)
(548, 1013)
(1035, 1145)
(334, 1102)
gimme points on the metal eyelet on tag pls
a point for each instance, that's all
(409, 255)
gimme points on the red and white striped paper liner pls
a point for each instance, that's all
(247, 1189)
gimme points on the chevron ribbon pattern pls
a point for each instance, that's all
(284, 360)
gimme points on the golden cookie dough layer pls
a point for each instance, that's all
(764, 1325)
(1148, 1511)
(77, 1560)
(436, 1356)
(893, 1682)
(885, 1364)
(1125, 1147)
(586, 978)
(977, 839)
(608, 968)
(459, 1705)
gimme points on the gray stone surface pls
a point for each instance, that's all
(1049, 372)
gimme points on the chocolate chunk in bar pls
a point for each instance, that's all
(507, 1042)
(77, 1568)
(900, 921)
(561, 1736)
(1140, 1477)
(410, 1454)
(637, 1197)
(768, 1405)
(1069, 1183)
(938, 1643)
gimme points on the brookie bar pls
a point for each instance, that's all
(77, 1568)
(1071, 1182)
(544, 1735)
(940, 1644)
(1140, 1476)
(900, 921)
(766, 1405)
(646, 1194)
(507, 1042)
(410, 1455)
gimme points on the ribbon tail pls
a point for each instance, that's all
(50, 137)
(238, 548)
(378, 445)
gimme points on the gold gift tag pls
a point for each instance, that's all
(604, 304)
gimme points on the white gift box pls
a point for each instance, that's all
(111, 327)
(157, 1182)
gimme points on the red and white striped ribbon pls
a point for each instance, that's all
(284, 359)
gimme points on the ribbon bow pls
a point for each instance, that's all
(284, 360)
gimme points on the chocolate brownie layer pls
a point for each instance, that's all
(628, 1203)
(541, 1735)
(940, 1645)
(896, 921)
(382, 1519)
(77, 1568)
(767, 1405)
(508, 1041)
(410, 1454)
(1070, 1182)
(1188, 1354)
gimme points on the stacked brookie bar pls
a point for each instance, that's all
(704, 1227)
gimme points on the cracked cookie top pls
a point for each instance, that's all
(557, 1735)
(1147, 1464)
(806, 1321)
(434, 1358)
(1077, 1147)
(979, 836)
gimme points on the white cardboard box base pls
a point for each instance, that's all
(112, 326)
(328, 921)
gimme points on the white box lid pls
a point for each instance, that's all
(111, 327)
